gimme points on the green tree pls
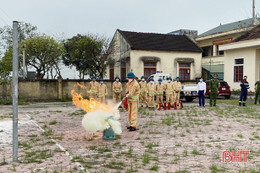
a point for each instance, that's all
(26, 30)
(88, 53)
(44, 54)
(6, 64)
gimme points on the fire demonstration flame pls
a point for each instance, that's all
(88, 105)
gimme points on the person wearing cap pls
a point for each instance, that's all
(93, 87)
(213, 89)
(243, 94)
(102, 91)
(176, 92)
(257, 91)
(201, 90)
(159, 92)
(143, 91)
(117, 90)
(151, 92)
(168, 87)
(132, 94)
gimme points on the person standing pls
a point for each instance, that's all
(159, 92)
(151, 92)
(132, 94)
(117, 90)
(243, 94)
(201, 90)
(257, 91)
(213, 89)
(93, 87)
(102, 91)
(143, 91)
(169, 92)
(177, 90)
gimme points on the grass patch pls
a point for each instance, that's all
(53, 122)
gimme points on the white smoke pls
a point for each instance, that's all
(100, 120)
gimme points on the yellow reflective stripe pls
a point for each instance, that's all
(102, 94)
(159, 92)
(143, 90)
(134, 98)
(117, 90)
(169, 92)
(92, 91)
(133, 121)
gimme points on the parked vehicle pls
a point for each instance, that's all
(223, 90)
(189, 92)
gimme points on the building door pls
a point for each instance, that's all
(184, 71)
(111, 74)
(123, 73)
(149, 68)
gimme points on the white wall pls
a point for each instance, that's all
(166, 64)
(249, 55)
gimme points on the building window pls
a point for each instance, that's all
(111, 73)
(184, 71)
(238, 69)
(149, 68)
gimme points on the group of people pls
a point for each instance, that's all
(213, 89)
(144, 93)
(149, 90)
(214, 86)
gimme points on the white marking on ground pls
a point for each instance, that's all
(58, 145)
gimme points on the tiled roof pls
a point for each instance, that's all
(230, 26)
(250, 35)
(161, 42)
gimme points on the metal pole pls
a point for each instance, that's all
(253, 9)
(23, 61)
(15, 91)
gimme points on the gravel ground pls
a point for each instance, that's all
(51, 139)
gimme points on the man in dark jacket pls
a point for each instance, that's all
(243, 95)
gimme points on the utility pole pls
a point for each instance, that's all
(253, 10)
(23, 61)
(15, 91)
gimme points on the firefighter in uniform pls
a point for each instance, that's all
(243, 95)
(151, 92)
(213, 89)
(132, 94)
(168, 87)
(102, 91)
(159, 93)
(117, 90)
(257, 91)
(93, 86)
(143, 91)
(176, 91)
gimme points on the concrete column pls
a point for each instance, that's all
(215, 50)
(59, 87)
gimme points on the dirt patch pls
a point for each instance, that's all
(191, 140)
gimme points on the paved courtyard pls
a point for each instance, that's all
(51, 139)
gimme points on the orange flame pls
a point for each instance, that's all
(87, 105)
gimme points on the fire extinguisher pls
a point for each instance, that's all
(159, 106)
(125, 103)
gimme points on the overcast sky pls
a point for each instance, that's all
(71, 17)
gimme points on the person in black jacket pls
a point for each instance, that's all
(243, 95)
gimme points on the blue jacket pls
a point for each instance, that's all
(244, 85)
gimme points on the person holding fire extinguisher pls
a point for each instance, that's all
(132, 95)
